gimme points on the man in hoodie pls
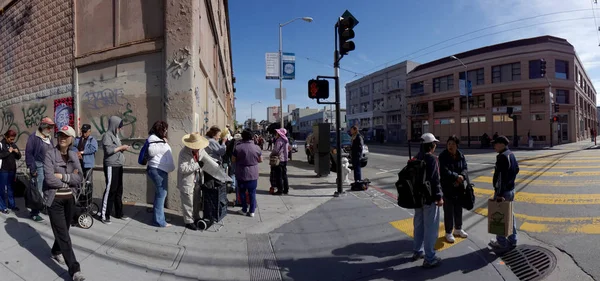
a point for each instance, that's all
(113, 170)
(35, 151)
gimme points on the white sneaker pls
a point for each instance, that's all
(78, 276)
(59, 259)
(460, 233)
(449, 238)
(251, 215)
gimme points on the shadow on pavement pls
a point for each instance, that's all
(30, 240)
(301, 165)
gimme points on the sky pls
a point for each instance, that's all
(389, 32)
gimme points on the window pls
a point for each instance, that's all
(474, 119)
(506, 72)
(445, 121)
(378, 120)
(561, 69)
(504, 99)
(475, 76)
(364, 91)
(378, 104)
(378, 86)
(443, 105)
(537, 96)
(475, 102)
(443, 83)
(364, 107)
(562, 96)
(393, 119)
(537, 117)
(534, 69)
(504, 118)
(419, 108)
(578, 78)
(417, 88)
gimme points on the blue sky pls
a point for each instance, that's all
(389, 32)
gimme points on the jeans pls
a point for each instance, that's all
(452, 214)
(426, 227)
(160, 179)
(357, 168)
(512, 239)
(249, 186)
(7, 178)
(61, 213)
(39, 169)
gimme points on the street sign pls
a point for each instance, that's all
(272, 65)
(289, 66)
(347, 14)
(277, 93)
(462, 88)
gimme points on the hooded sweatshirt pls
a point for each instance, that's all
(110, 141)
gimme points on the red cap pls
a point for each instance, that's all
(47, 120)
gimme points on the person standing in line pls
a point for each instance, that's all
(246, 157)
(86, 147)
(356, 152)
(215, 149)
(505, 174)
(114, 159)
(35, 150)
(453, 174)
(62, 180)
(9, 154)
(160, 164)
(280, 172)
(427, 219)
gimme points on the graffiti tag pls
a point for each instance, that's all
(33, 115)
(129, 121)
(105, 98)
(8, 123)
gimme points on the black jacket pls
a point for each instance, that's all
(432, 175)
(505, 172)
(357, 146)
(9, 160)
(450, 169)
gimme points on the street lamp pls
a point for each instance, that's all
(306, 19)
(468, 99)
(252, 116)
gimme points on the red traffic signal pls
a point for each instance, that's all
(555, 119)
(318, 89)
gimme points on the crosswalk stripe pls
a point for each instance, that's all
(581, 225)
(535, 181)
(558, 174)
(546, 199)
(406, 226)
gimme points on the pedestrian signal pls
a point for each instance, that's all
(318, 89)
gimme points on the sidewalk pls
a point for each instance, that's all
(134, 250)
(475, 147)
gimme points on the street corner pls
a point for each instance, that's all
(406, 226)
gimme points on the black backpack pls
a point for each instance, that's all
(412, 186)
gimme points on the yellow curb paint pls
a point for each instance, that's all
(525, 166)
(558, 174)
(535, 181)
(546, 199)
(562, 161)
(581, 225)
(407, 227)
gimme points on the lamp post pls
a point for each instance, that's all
(252, 116)
(468, 105)
(306, 19)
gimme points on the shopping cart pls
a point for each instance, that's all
(85, 208)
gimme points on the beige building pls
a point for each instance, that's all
(505, 75)
(81, 61)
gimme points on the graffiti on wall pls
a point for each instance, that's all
(33, 114)
(63, 113)
(197, 95)
(105, 98)
(9, 123)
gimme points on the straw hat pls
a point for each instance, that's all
(194, 141)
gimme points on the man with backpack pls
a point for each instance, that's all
(427, 217)
(505, 173)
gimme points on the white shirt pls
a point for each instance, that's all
(160, 155)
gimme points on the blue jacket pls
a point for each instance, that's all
(450, 169)
(35, 150)
(505, 172)
(89, 151)
(432, 175)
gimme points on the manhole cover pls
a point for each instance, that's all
(530, 263)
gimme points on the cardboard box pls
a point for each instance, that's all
(500, 218)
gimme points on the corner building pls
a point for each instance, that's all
(81, 61)
(504, 75)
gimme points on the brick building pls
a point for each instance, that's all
(505, 75)
(81, 61)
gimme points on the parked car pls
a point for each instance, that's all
(294, 145)
(346, 143)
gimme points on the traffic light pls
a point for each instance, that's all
(345, 33)
(556, 107)
(555, 119)
(318, 89)
(542, 67)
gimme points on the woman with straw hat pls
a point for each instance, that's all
(189, 176)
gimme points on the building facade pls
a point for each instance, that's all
(376, 103)
(504, 76)
(82, 61)
(299, 113)
(306, 122)
(272, 114)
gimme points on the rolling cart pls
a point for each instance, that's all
(214, 202)
(85, 208)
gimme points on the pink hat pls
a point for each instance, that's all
(282, 132)
(47, 120)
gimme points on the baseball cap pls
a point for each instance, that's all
(85, 127)
(67, 130)
(47, 120)
(429, 138)
(501, 139)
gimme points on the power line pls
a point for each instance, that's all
(475, 31)
(595, 23)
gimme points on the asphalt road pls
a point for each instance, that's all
(558, 196)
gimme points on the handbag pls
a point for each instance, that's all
(274, 159)
(467, 198)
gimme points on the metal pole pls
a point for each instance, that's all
(468, 106)
(550, 102)
(336, 74)
(280, 77)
